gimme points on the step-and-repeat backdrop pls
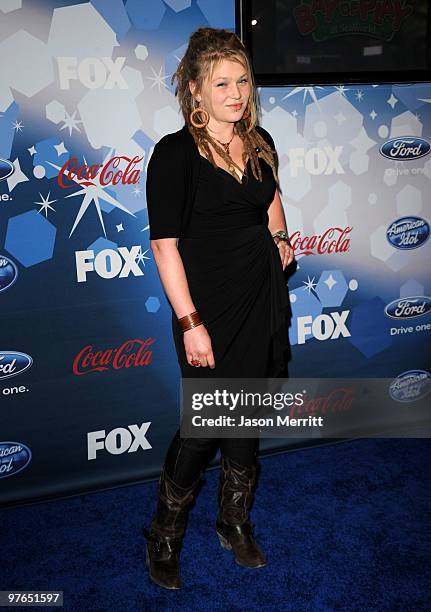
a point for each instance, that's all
(89, 379)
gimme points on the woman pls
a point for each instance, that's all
(218, 235)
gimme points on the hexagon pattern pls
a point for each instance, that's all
(55, 111)
(7, 6)
(332, 174)
(30, 238)
(369, 327)
(26, 66)
(146, 15)
(331, 288)
(152, 304)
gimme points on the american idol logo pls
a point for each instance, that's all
(14, 457)
(13, 363)
(408, 232)
(8, 273)
(410, 386)
(408, 307)
(405, 148)
(6, 169)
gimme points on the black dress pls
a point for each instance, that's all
(235, 275)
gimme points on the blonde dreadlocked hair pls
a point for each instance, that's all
(207, 47)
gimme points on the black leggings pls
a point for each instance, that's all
(186, 457)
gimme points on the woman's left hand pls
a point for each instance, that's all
(287, 254)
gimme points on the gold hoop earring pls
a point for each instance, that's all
(205, 117)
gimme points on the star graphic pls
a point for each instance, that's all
(373, 114)
(392, 100)
(294, 113)
(330, 281)
(17, 126)
(341, 90)
(137, 191)
(32, 150)
(340, 118)
(92, 193)
(17, 177)
(158, 79)
(359, 95)
(45, 204)
(120, 227)
(71, 123)
(60, 148)
(141, 256)
(307, 90)
(309, 284)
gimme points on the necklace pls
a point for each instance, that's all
(225, 145)
(232, 164)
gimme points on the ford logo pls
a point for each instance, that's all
(8, 273)
(14, 457)
(408, 307)
(405, 148)
(410, 386)
(408, 232)
(13, 363)
(6, 169)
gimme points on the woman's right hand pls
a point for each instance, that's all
(197, 343)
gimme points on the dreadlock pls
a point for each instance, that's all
(207, 47)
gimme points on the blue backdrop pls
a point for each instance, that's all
(89, 379)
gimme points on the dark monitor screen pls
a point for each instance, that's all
(324, 41)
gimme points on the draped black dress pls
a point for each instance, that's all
(235, 276)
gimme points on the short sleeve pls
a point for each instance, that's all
(267, 136)
(166, 189)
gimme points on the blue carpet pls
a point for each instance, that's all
(344, 526)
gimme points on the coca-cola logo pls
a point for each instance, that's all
(107, 173)
(134, 353)
(337, 401)
(333, 240)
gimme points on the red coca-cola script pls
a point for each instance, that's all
(108, 173)
(338, 400)
(333, 240)
(131, 354)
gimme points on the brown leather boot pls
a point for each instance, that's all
(234, 529)
(164, 539)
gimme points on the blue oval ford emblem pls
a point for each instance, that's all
(8, 273)
(6, 169)
(408, 307)
(14, 457)
(410, 386)
(13, 363)
(408, 232)
(405, 148)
